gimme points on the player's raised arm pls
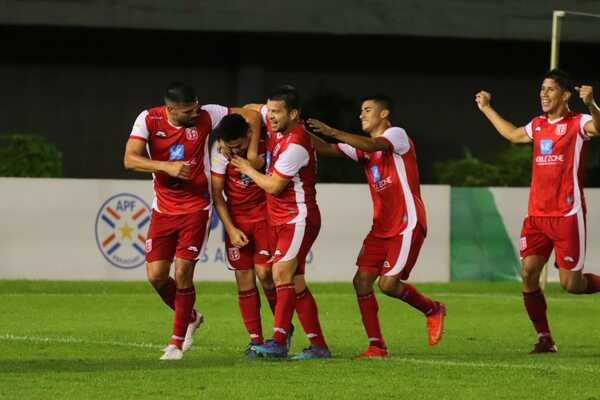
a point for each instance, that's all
(254, 120)
(136, 160)
(364, 143)
(324, 148)
(586, 94)
(272, 184)
(505, 128)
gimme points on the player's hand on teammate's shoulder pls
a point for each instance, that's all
(586, 94)
(483, 99)
(179, 169)
(241, 164)
(320, 127)
(237, 237)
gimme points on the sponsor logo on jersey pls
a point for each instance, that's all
(161, 134)
(546, 146)
(549, 159)
(246, 180)
(538, 128)
(120, 229)
(560, 129)
(176, 152)
(375, 173)
(193, 248)
(234, 253)
(191, 133)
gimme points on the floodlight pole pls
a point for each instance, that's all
(556, 25)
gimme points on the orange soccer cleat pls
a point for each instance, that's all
(372, 352)
(435, 324)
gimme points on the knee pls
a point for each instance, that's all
(265, 277)
(362, 286)
(387, 286)
(157, 280)
(571, 286)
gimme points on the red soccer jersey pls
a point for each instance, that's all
(245, 200)
(393, 178)
(557, 165)
(291, 156)
(166, 142)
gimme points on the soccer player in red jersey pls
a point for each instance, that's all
(556, 215)
(391, 248)
(175, 137)
(244, 216)
(294, 218)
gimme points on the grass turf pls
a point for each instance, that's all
(102, 340)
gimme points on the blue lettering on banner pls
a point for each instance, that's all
(546, 146)
(176, 152)
(375, 173)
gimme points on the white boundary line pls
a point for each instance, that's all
(399, 359)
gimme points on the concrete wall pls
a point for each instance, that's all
(512, 19)
(54, 229)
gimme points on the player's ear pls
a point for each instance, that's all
(566, 96)
(385, 113)
(294, 114)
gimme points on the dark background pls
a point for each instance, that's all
(83, 87)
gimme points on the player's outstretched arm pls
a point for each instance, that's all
(324, 148)
(586, 94)
(237, 237)
(364, 143)
(273, 184)
(505, 128)
(254, 120)
(136, 160)
(254, 106)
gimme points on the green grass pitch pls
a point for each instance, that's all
(102, 340)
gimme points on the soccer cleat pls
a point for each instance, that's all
(372, 352)
(435, 324)
(250, 353)
(545, 344)
(312, 352)
(271, 349)
(191, 329)
(172, 352)
(288, 339)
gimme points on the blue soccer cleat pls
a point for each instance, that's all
(250, 353)
(271, 349)
(312, 352)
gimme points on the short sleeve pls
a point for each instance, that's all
(529, 129)
(585, 118)
(348, 151)
(216, 113)
(218, 162)
(140, 128)
(398, 138)
(291, 160)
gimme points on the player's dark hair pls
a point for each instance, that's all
(383, 100)
(180, 93)
(562, 79)
(288, 94)
(232, 127)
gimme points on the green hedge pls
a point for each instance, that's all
(24, 155)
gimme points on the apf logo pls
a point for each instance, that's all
(121, 226)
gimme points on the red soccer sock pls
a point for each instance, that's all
(593, 283)
(306, 308)
(410, 295)
(167, 293)
(184, 305)
(535, 304)
(249, 302)
(271, 295)
(368, 311)
(284, 311)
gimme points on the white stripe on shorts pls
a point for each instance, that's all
(403, 256)
(581, 231)
(299, 229)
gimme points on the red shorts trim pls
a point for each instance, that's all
(256, 252)
(295, 240)
(395, 256)
(565, 235)
(181, 236)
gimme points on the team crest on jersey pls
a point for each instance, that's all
(191, 133)
(234, 253)
(546, 146)
(121, 225)
(560, 129)
(176, 152)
